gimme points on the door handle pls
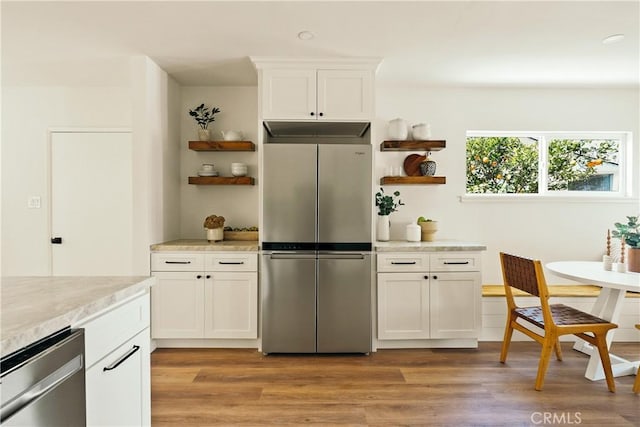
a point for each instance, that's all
(56, 240)
(121, 359)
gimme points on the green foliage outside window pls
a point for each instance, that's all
(510, 164)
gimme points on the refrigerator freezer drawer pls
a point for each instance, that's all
(344, 304)
(288, 304)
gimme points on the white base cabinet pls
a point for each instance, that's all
(421, 296)
(118, 369)
(204, 296)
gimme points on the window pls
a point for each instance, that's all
(547, 163)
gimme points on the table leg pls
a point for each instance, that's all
(608, 306)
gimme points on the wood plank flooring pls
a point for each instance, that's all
(435, 387)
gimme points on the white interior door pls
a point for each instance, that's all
(91, 203)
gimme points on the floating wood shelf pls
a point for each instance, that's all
(221, 180)
(397, 180)
(409, 145)
(222, 146)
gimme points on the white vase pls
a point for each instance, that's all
(382, 228)
(203, 134)
(215, 234)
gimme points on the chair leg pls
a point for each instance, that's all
(508, 332)
(601, 343)
(545, 354)
(558, 350)
(636, 385)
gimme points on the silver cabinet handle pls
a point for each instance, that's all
(177, 262)
(403, 262)
(121, 359)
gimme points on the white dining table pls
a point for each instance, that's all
(608, 306)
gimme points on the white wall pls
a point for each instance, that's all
(147, 105)
(238, 204)
(549, 230)
(27, 114)
(156, 160)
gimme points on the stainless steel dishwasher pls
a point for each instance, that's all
(43, 384)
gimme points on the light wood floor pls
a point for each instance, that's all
(463, 387)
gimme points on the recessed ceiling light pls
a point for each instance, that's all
(614, 38)
(306, 35)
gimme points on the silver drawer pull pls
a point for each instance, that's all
(231, 262)
(456, 262)
(177, 262)
(403, 262)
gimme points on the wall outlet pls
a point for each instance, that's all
(33, 202)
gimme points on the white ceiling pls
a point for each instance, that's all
(461, 43)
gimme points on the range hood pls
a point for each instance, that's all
(277, 129)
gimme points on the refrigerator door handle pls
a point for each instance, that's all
(340, 256)
(291, 255)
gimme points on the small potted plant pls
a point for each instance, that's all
(203, 116)
(428, 228)
(215, 228)
(386, 205)
(630, 234)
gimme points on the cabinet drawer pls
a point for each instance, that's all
(455, 261)
(403, 261)
(231, 262)
(108, 331)
(177, 262)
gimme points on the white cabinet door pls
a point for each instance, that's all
(117, 391)
(345, 95)
(177, 305)
(289, 94)
(403, 306)
(455, 305)
(231, 305)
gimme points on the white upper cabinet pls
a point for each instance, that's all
(332, 91)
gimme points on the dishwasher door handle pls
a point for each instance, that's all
(42, 387)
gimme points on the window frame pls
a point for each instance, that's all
(543, 137)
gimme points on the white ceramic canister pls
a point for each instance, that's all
(421, 132)
(413, 232)
(397, 129)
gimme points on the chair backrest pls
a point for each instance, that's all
(528, 276)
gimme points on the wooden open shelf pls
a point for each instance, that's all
(410, 145)
(222, 146)
(221, 180)
(398, 180)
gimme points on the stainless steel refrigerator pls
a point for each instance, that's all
(316, 266)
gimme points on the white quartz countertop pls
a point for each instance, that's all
(436, 246)
(35, 307)
(205, 245)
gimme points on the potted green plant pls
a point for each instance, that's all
(215, 228)
(630, 234)
(203, 116)
(428, 228)
(387, 204)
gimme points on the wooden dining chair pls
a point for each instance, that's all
(554, 319)
(636, 384)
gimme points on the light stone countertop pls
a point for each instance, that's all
(436, 246)
(35, 307)
(205, 245)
